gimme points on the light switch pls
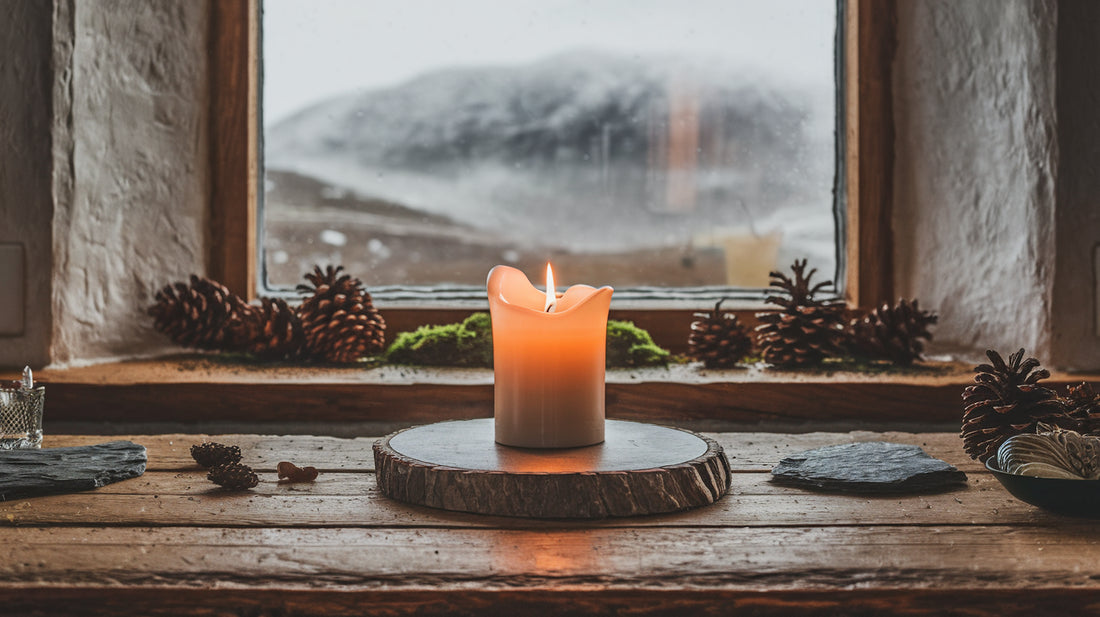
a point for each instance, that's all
(11, 289)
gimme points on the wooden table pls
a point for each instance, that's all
(169, 543)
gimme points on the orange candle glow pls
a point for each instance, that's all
(548, 354)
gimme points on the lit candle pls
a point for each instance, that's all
(548, 354)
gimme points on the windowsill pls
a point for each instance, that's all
(204, 389)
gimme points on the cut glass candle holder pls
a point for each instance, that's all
(21, 415)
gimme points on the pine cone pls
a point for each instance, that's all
(339, 319)
(805, 330)
(204, 314)
(1006, 400)
(718, 339)
(1083, 405)
(273, 331)
(212, 454)
(233, 476)
(891, 332)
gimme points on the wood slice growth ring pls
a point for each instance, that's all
(639, 469)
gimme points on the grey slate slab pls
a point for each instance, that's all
(50, 471)
(868, 467)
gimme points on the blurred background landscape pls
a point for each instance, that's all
(666, 165)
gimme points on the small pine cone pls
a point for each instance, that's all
(233, 476)
(340, 322)
(273, 331)
(718, 339)
(1007, 400)
(1083, 405)
(805, 330)
(891, 332)
(212, 454)
(203, 315)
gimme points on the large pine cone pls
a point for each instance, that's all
(1083, 405)
(806, 329)
(210, 454)
(339, 319)
(718, 339)
(1007, 400)
(891, 332)
(273, 331)
(204, 314)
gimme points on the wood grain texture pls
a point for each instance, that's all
(169, 544)
(232, 249)
(160, 499)
(549, 601)
(199, 389)
(746, 452)
(195, 388)
(652, 401)
(613, 479)
(869, 47)
(802, 558)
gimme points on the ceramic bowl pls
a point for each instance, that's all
(1069, 497)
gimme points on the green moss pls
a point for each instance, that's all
(630, 346)
(469, 343)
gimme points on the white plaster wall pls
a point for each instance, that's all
(132, 188)
(976, 155)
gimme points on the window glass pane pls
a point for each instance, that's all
(629, 142)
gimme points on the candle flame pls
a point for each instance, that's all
(551, 297)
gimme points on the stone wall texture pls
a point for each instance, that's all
(136, 210)
(974, 172)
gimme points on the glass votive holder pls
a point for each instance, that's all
(21, 415)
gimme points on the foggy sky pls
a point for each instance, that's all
(321, 48)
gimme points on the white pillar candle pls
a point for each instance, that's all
(548, 358)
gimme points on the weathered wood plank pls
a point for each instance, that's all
(263, 452)
(193, 482)
(200, 388)
(806, 558)
(233, 144)
(660, 401)
(353, 500)
(549, 601)
(745, 451)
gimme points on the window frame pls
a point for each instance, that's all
(866, 36)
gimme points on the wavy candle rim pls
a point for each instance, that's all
(575, 297)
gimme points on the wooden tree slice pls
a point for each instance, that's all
(639, 469)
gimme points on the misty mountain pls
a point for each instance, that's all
(582, 151)
(574, 108)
